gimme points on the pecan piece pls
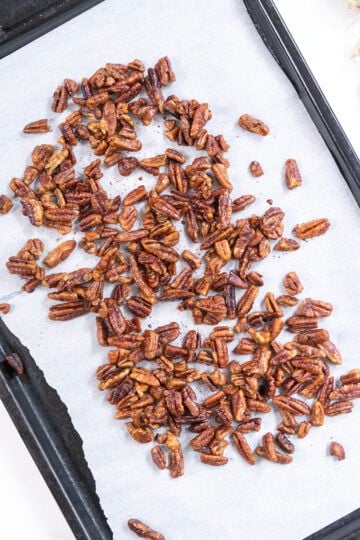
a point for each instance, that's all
(246, 301)
(135, 195)
(292, 284)
(158, 457)
(250, 123)
(68, 310)
(60, 253)
(337, 450)
(33, 209)
(242, 202)
(215, 461)
(255, 169)
(39, 126)
(285, 300)
(4, 308)
(6, 204)
(317, 414)
(271, 223)
(314, 308)
(287, 244)
(128, 217)
(243, 447)
(60, 101)
(285, 443)
(15, 362)
(316, 227)
(292, 174)
(346, 391)
(176, 464)
(127, 165)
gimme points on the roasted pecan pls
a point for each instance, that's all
(292, 174)
(39, 126)
(287, 244)
(215, 461)
(15, 362)
(158, 457)
(5, 308)
(314, 308)
(242, 202)
(176, 464)
(246, 301)
(316, 227)
(128, 217)
(337, 450)
(6, 204)
(135, 195)
(255, 169)
(271, 223)
(60, 100)
(292, 284)
(69, 310)
(284, 443)
(243, 447)
(285, 300)
(249, 123)
(60, 253)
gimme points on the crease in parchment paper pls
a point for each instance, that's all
(218, 58)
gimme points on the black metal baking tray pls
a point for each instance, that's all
(35, 408)
(22, 21)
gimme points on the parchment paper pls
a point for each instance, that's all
(217, 57)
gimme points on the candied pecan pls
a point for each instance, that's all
(287, 244)
(339, 407)
(243, 447)
(60, 253)
(71, 86)
(249, 123)
(292, 284)
(158, 457)
(68, 310)
(15, 362)
(135, 195)
(242, 202)
(128, 217)
(285, 300)
(222, 176)
(39, 126)
(317, 414)
(337, 450)
(60, 101)
(246, 301)
(284, 443)
(176, 464)
(346, 391)
(316, 227)
(153, 88)
(292, 174)
(4, 308)
(282, 459)
(255, 169)
(314, 308)
(313, 337)
(329, 349)
(215, 461)
(271, 223)
(33, 209)
(6, 204)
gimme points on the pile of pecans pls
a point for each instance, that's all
(152, 379)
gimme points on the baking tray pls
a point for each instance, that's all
(36, 409)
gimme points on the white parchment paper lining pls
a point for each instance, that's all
(219, 58)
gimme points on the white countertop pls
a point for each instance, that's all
(326, 32)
